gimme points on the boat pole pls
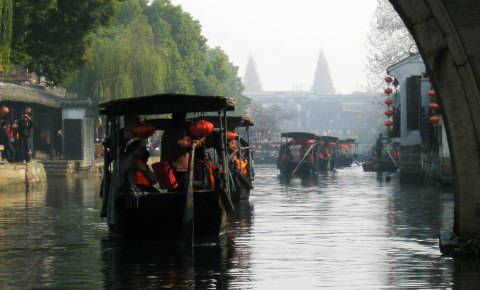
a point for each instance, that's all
(305, 155)
(188, 221)
(223, 143)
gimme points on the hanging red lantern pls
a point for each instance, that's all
(343, 146)
(388, 91)
(388, 113)
(433, 106)
(4, 110)
(388, 79)
(332, 144)
(310, 142)
(350, 145)
(388, 123)
(231, 135)
(388, 102)
(143, 130)
(434, 120)
(201, 128)
(28, 110)
(432, 93)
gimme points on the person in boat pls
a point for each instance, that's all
(176, 149)
(144, 178)
(379, 146)
(236, 159)
(285, 154)
(204, 170)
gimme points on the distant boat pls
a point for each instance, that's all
(380, 165)
(343, 156)
(265, 152)
(304, 153)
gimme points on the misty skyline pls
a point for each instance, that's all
(285, 38)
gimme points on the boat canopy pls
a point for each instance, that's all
(166, 103)
(300, 135)
(327, 138)
(346, 141)
(233, 122)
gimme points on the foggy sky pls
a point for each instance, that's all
(285, 38)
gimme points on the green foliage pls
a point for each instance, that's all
(6, 13)
(154, 49)
(53, 38)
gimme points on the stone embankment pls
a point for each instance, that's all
(27, 175)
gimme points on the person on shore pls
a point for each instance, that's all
(24, 127)
(8, 150)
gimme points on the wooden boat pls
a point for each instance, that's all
(179, 215)
(325, 153)
(265, 152)
(380, 165)
(344, 155)
(242, 179)
(304, 153)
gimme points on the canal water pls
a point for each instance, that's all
(345, 230)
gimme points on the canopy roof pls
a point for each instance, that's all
(233, 122)
(347, 141)
(300, 135)
(166, 103)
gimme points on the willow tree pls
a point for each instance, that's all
(6, 10)
(126, 62)
(155, 48)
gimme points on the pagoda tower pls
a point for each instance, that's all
(322, 83)
(251, 81)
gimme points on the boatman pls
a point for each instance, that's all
(379, 146)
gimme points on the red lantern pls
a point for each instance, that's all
(310, 142)
(433, 106)
(434, 120)
(350, 145)
(388, 79)
(4, 110)
(343, 146)
(332, 144)
(231, 135)
(28, 110)
(432, 93)
(388, 123)
(388, 113)
(143, 130)
(388, 91)
(201, 128)
(388, 102)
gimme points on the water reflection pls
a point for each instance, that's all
(347, 229)
(153, 265)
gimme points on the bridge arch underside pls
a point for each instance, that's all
(447, 35)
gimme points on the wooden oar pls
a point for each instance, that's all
(305, 155)
(187, 231)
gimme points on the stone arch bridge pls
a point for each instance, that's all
(447, 33)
